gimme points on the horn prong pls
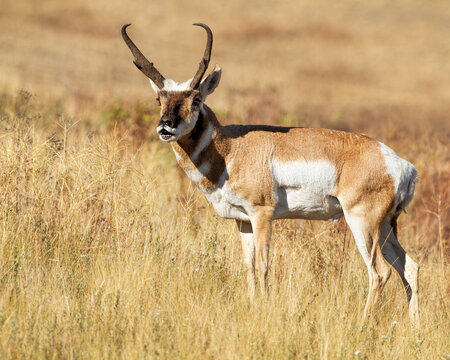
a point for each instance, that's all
(141, 61)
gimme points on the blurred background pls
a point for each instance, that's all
(321, 58)
(108, 251)
(381, 68)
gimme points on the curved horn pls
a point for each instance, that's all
(141, 61)
(206, 57)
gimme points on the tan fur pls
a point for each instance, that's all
(244, 156)
(361, 166)
(169, 99)
(246, 174)
(363, 186)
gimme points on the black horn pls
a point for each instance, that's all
(206, 57)
(141, 61)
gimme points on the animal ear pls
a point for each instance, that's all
(154, 87)
(209, 84)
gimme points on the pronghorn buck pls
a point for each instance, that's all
(255, 174)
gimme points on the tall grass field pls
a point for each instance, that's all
(107, 251)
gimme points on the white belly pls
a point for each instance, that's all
(304, 189)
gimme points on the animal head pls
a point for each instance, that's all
(180, 103)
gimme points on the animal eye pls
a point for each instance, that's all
(158, 100)
(196, 102)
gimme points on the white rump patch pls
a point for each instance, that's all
(403, 174)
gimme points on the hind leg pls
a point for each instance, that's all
(366, 232)
(408, 270)
(380, 275)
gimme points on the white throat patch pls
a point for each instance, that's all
(204, 141)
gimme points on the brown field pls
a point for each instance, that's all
(107, 251)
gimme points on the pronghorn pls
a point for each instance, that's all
(255, 174)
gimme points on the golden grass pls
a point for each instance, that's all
(107, 251)
(103, 257)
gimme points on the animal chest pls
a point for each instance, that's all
(225, 202)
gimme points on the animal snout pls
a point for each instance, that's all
(166, 122)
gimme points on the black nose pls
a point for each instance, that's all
(164, 122)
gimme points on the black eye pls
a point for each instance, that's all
(158, 100)
(196, 101)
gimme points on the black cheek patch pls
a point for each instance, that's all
(177, 120)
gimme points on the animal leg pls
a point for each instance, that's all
(248, 249)
(408, 270)
(262, 230)
(367, 235)
(380, 270)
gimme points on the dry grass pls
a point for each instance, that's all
(107, 251)
(102, 258)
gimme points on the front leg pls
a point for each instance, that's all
(261, 221)
(248, 249)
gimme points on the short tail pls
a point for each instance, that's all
(409, 184)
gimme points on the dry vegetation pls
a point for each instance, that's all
(107, 251)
